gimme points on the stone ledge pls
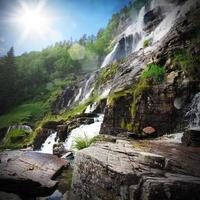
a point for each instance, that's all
(117, 171)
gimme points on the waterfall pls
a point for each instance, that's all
(78, 95)
(91, 108)
(47, 146)
(193, 113)
(132, 39)
(128, 42)
(84, 131)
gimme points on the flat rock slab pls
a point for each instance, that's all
(137, 170)
(29, 173)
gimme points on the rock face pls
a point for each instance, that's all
(152, 19)
(134, 171)
(29, 173)
(162, 105)
(65, 128)
(191, 137)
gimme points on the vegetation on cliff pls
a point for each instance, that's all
(17, 139)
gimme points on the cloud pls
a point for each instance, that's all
(2, 39)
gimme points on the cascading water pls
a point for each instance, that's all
(47, 146)
(78, 95)
(128, 42)
(84, 131)
(193, 114)
(135, 36)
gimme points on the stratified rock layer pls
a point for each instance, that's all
(134, 171)
(29, 173)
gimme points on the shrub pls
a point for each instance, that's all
(155, 72)
(82, 142)
(189, 64)
(147, 43)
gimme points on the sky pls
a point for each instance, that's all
(22, 27)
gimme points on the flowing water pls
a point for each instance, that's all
(47, 146)
(84, 131)
(170, 11)
(193, 113)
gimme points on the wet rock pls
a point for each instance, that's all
(65, 99)
(59, 149)
(191, 137)
(152, 18)
(78, 120)
(29, 173)
(42, 135)
(52, 125)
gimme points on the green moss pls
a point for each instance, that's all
(123, 124)
(17, 139)
(129, 126)
(106, 74)
(147, 43)
(189, 64)
(116, 95)
(155, 72)
(139, 89)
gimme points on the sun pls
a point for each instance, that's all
(33, 20)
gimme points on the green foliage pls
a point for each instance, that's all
(123, 124)
(17, 139)
(189, 64)
(8, 82)
(106, 74)
(155, 72)
(23, 113)
(147, 43)
(139, 89)
(129, 126)
(82, 142)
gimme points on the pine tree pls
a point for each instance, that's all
(8, 81)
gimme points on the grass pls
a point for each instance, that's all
(35, 110)
(106, 74)
(147, 43)
(84, 142)
(24, 113)
(155, 72)
(17, 139)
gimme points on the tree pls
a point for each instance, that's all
(8, 81)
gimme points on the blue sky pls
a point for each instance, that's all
(71, 18)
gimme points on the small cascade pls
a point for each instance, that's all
(47, 146)
(78, 95)
(84, 131)
(91, 108)
(88, 87)
(193, 113)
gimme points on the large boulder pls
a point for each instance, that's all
(29, 173)
(125, 171)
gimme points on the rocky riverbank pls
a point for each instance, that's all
(150, 170)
